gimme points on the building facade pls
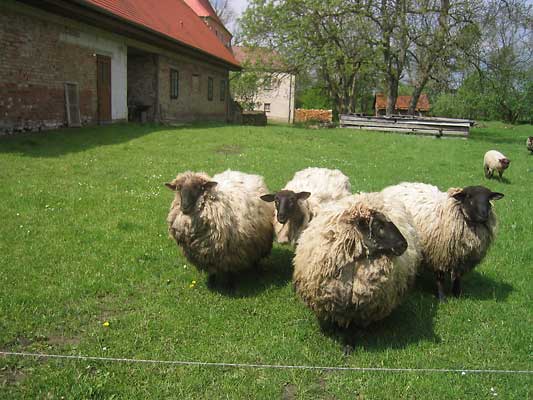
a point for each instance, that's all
(83, 62)
(277, 91)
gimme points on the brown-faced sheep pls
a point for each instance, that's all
(220, 223)
(302, 197)
(495, 161)
(455, 228)
(355, 263)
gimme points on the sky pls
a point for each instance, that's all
(239, 5)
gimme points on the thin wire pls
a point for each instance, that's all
(265, 366)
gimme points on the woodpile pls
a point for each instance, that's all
(304, 115)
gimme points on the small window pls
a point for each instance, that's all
(267, 107)
(222, 90)
(196, 83)
(174, 84)
(209, 88)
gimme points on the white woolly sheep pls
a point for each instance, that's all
(495, 161)
(455, 228)
(221, 224)
(302, 197)
(355, 263)
(529, 144)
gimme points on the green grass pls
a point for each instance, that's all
(83, 241)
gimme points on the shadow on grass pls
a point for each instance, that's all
(498, 138)
(410, 323)
(476, 286)
(274, 271)
(72, 140)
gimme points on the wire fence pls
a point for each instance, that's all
(262, 366)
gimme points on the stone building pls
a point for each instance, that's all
(97, 61)
(276, 95)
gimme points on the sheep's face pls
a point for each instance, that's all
(286, 202)
(190, 189)
(380, 235)
(475, 202)
(504, 162)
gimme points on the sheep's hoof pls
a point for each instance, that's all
(347, 350)
(441, 297)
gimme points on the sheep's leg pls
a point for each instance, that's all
(487, 172)
(439, 275)
(501, 174)
(456, 286)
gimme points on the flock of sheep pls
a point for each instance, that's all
(356, 255)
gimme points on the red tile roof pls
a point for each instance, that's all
(259, 57)
(172, 18)
(402, 102)
(202, 8)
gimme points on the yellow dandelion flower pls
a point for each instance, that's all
(106, 324)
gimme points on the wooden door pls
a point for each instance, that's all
(103, 84)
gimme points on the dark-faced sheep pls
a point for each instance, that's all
(356, 261)
(529, 144)
(302, 197)
(455, 228)
(495, 161)
(220, 223)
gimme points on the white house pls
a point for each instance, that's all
(276, 97)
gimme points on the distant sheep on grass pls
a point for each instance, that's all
(220, 223)
(495, 161)
(301, 198)
(529, 144)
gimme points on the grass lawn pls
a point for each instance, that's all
(83, 241)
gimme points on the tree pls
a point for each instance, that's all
(328, 36)
(225, 12)
(440, 30)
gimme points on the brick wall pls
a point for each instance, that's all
(192, 103)
(33, 69)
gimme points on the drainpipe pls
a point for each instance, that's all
(157, 116)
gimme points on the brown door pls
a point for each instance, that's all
(103, 87)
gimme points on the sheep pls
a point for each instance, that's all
(455, 228)
(356, 261)
(495, 161)
(220, 223)
(529, 144)
(301, 198)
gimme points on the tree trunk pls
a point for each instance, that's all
(392, 94)
(416, 94)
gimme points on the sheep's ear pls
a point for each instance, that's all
(457, 193)
(209, 185)
(303, 195)
(171, 186)
(496, 196)
(269, 198)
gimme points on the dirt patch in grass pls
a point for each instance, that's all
(20, 343)
(10, 375)
(63, 341)
(289, 391)
(229, 149)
